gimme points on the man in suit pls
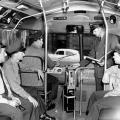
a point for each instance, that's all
(11, 70)
(9, 104)
(98, 52)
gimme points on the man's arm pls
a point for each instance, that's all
(51, 64)
(7, 85)
(85, 62)
(14, 81)
(10, 95)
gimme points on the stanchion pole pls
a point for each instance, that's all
(46, 37)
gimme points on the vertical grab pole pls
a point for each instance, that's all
(80, 80)
(106, 35)
(46, 36)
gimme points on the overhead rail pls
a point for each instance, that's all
(25, 18)
(111, 2)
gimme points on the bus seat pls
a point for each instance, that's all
(109, 114)
(2, 117)
(29, 77)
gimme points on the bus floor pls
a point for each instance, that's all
(60, 114)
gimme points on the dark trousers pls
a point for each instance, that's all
(98, 102)
(52, 84)
(29, 112)
(11, 112)
(97, 95)
(33, 91)
(99, 72)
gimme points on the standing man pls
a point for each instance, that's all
(98, 52)
(9, 105)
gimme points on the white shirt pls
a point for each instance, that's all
(112, 76)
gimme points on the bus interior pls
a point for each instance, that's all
(65, 24)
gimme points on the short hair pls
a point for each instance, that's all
(34, 39)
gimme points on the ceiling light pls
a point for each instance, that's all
(112, 19)
(65, 6)
(22, 7)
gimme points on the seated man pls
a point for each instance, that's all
(11, 70)
(35, 49)
(106, 99)
(9, 105)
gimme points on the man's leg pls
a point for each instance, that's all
(99, 72)
(12, 112)
(52, 84)
(33, 91)
(93, 98)
(41, 109)
(106, 102)
(29, 112)
(99, 84)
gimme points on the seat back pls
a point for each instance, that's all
(30, 77)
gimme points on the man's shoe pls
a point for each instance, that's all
(47, 117)
(50, 106)
(50, 117)
(87, 112)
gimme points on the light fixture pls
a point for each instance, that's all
(65, 6)
(112, 19)
(22, 7)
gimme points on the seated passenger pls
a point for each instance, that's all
(106, 99)
(11, 70)
(9, 105)
(52, 82)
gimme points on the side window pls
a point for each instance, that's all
(60, 52)
(68, 53)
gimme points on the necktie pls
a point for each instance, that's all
(6, 91)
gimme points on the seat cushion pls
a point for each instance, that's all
(109, 114)
(4, 118)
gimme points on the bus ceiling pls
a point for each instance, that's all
(59, 13)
